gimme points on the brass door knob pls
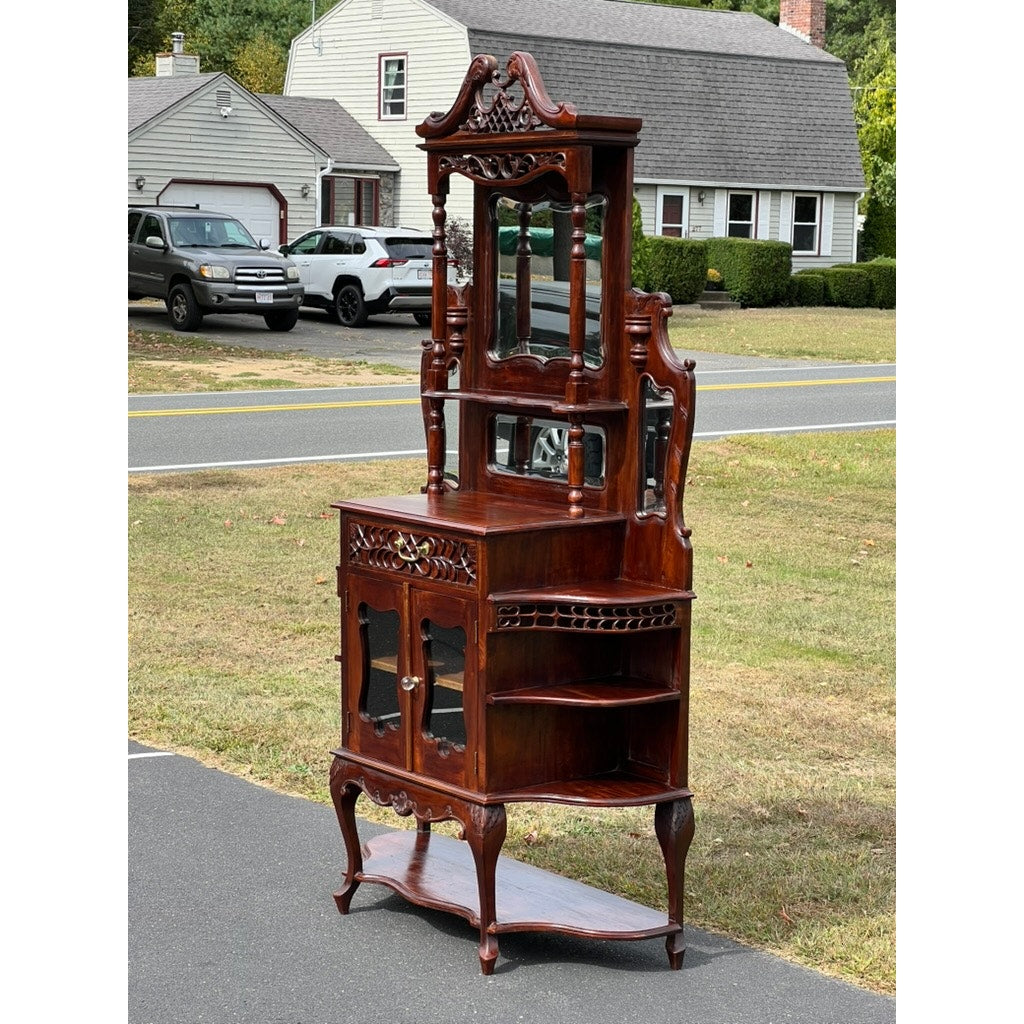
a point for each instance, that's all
(410, 682)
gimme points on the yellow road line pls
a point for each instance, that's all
(416, 401)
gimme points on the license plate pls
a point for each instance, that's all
(423, 275)
(262, 297)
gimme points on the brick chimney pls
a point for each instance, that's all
(177, 62)
(804, 18)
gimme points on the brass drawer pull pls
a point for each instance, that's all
(420, 551)
(410, 682)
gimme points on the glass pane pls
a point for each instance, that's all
(445, 658)
(741, 206)
(805, 209)
(344, 201)
(378, 701)
(528, 446)
(671, 232)
(672, 210)
(803, 238)
(739, 230)
(368, 202)
(657, 420)
(533, 280)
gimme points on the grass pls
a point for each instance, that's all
(838, 335)
(233, 623)
(160, 362)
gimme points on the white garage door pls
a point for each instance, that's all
(253, 205)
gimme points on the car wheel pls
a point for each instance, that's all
(423, 319)
(349, 305)
(182, 308)
(282, 319)
(551, 451)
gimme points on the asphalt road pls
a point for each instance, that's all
(182, 432)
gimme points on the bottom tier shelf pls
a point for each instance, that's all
(437, 871)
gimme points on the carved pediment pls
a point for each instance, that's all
(502, 111)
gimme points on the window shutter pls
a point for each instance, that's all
(764, 213)
(721, 211)
(786, 217)
(827, 212)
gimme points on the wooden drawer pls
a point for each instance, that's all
(411, 552)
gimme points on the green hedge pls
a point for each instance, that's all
(754, 272)
(678, 266)
(807, 289)
(847, 286)
(640, 265)
(882, 272)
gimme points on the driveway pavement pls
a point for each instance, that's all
(231, 920)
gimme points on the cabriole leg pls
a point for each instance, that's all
(485, 833)
(673, 825)
(344, 797)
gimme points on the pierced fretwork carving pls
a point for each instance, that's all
(597, 617)
(518, 167)
(419, 555)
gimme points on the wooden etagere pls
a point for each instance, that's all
(520, 630)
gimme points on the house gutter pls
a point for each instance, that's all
(326, 169)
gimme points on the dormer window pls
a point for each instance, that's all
(391, 75)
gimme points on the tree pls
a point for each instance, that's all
(875, 113)
(259, 65)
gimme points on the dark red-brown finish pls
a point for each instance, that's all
(541, 622)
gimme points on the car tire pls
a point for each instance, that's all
(182, 309)
(281, 319)
(423, 319)
(349, 306)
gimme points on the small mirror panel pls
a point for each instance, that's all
(445, 658)
(533, 241)
(657, 406)
(378, 697)
(531, 446)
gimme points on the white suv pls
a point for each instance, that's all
(354, 272)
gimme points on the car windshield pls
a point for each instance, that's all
(409, 248)
(209, 232)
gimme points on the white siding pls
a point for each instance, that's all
(346, 69)
(196, 143)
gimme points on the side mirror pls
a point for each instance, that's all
(264, 243)
(155, 242)
(284, 249)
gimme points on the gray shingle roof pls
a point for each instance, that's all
(333, 129)
(725, 97)
(148, 97)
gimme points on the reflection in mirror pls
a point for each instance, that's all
(657, 419)
(534, 240)
(530, 446)
(378, 700)
(444, 654)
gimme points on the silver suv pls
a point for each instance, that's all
(202, 262)
(354, 272)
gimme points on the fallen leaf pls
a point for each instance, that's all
(530, 838)
(868, 543)
(723, 558)
(301, 542)
(228, 523)
(277, 521)
(785, 917)
(750, 565)
(320, 579)
(326, 515)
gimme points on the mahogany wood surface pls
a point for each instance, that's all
(516, 633)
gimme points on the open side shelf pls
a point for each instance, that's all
(526, 401)
(610, 693)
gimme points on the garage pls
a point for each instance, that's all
(255, 206)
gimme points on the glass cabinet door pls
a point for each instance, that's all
(374, 656)
(442, 630)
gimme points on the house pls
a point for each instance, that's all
(748, 126)
(282, 165)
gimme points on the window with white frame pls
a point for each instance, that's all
(392, 86)
(672, 214)
(806, 222)
(742, 213)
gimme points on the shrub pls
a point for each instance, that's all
(807, 289)
(640, 265)
(882, 272)
(754, 272)
(678, 266)
(714, 283)
(846, 286)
